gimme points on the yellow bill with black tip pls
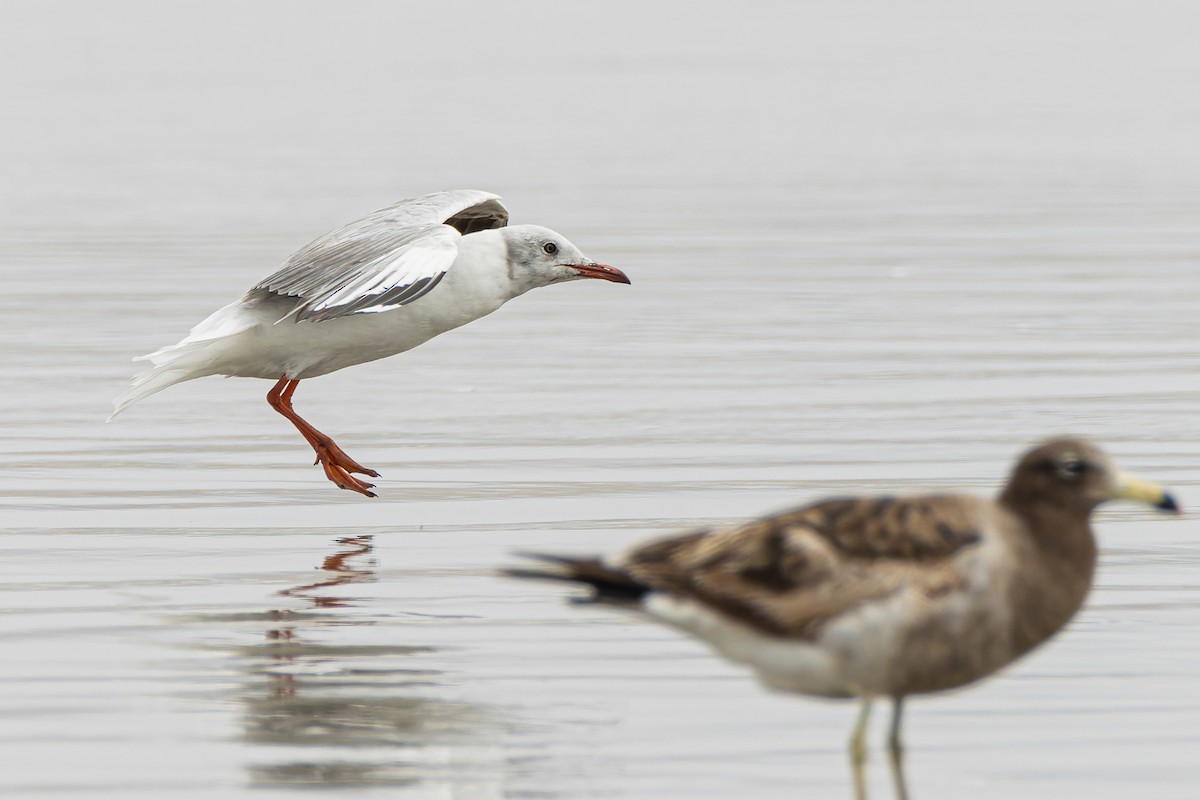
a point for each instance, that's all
(1132, 488)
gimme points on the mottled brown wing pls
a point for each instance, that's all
(790, 573)
(919, 528)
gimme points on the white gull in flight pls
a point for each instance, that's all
(376, 287)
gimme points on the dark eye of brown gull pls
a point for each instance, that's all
(550, 247)
(1070, 466)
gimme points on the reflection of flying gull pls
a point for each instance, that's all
(880, 597)
(374, 288)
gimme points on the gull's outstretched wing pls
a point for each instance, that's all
(384, 260)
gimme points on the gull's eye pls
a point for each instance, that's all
(1070, 467)
(550, 247)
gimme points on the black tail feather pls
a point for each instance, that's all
(610, 584)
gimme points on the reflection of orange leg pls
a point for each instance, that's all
(344, 574)
(333, 459)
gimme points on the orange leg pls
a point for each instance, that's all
(333, 459)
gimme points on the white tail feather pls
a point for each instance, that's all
(186, 360)
(146, 384)
(172, 365)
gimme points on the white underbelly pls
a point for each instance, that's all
(271, 348)
(911, 644)
(789, 665)
(882, 649)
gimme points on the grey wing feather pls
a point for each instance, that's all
(466, 210)
(385, 260)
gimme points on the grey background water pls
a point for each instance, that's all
(874, 247)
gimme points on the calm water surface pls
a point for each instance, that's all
(872, 249)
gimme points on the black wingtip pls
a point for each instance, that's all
(548, 558)
(610, 584)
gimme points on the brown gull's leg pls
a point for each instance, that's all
(896, 750)
(333, 459)
(858, 749)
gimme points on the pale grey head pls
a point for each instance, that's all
(538, 256)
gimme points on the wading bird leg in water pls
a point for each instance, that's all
(858, 750)
(333, 459)
(845, 561)
(896, 750)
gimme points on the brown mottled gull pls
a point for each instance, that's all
(874, 597)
